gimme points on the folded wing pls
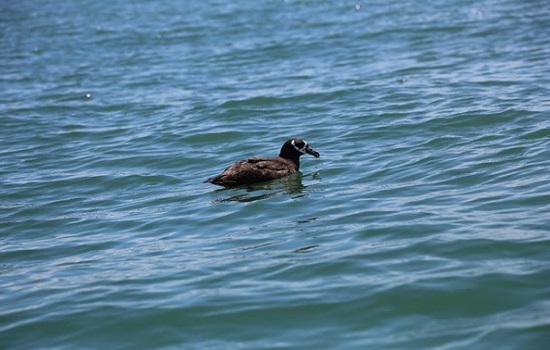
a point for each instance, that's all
(254, 170)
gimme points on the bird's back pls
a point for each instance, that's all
(252, 170)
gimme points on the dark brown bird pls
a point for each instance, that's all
(253, 170)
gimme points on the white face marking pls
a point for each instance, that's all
(301, 150)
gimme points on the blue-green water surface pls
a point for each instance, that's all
(425, 224)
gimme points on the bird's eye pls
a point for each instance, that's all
(299, 146)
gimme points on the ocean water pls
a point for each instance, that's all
(425, 223)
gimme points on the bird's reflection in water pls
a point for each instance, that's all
(290, 185)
